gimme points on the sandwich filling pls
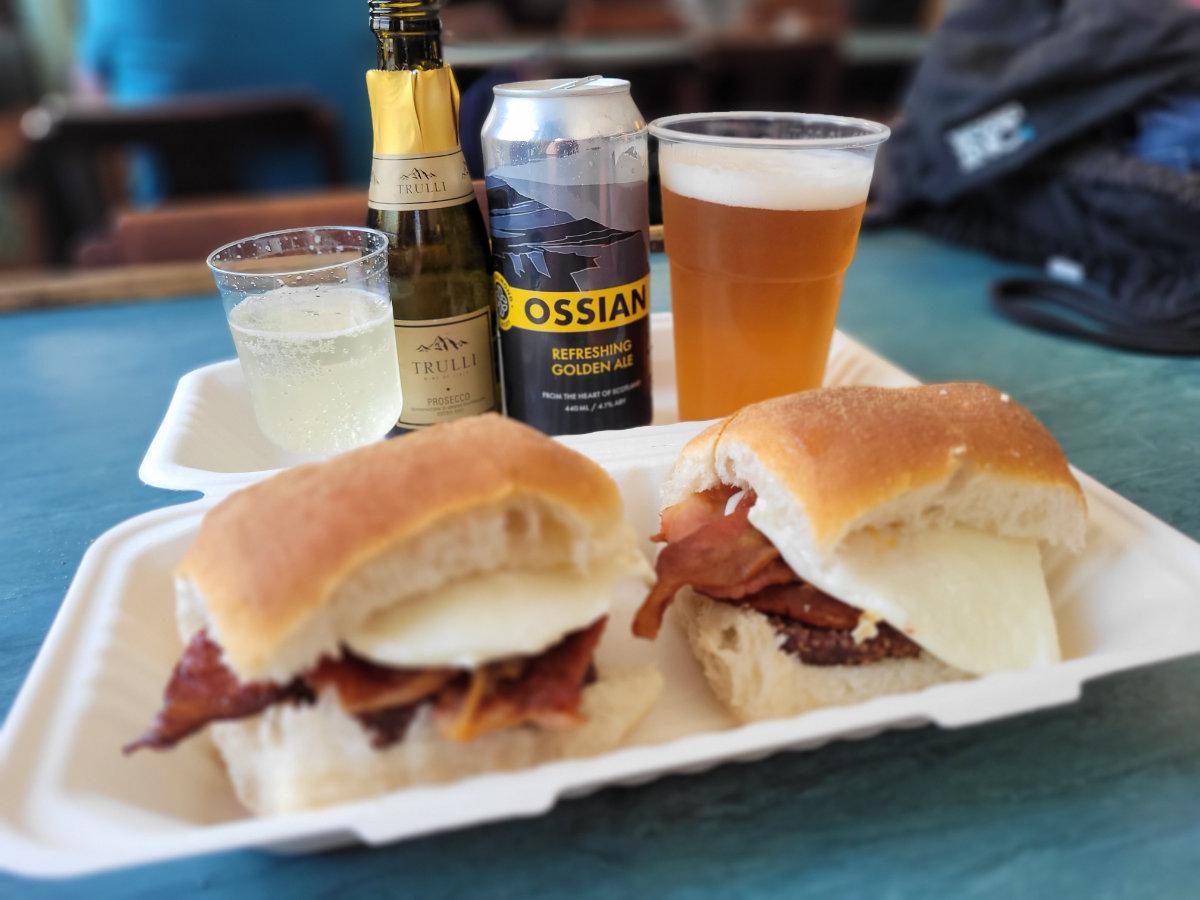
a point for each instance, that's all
(543, 690)
(494, 615)
(975, 600)
(720, 554)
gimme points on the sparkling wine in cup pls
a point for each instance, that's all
(310, 316)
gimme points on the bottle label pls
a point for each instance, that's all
(563, 312)
(571, 277)
(446, 368)
(419, 181)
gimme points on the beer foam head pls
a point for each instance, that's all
(766, 178)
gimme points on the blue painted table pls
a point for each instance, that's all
(1099, 799)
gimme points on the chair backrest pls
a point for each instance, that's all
(190, 230)
(199, 144)
(595, 18)
(788, 16)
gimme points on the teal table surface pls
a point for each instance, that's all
(1100, 799)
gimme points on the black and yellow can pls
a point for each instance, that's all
(570, 254)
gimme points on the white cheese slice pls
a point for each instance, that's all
(490, 617)
(974, 600)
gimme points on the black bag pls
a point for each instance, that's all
(1015, 138)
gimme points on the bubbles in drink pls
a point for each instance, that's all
(320, 363)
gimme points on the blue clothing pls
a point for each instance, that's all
(1169, 132)
(150, 50)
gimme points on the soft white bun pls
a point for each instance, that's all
(832, 462)
(738, 650)
(293, 758)
(282, 570)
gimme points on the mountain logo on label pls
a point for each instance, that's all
(419, 174)
(442, 344)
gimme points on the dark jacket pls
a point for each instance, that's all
(1017, 137)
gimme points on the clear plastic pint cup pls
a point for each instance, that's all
(761, 213)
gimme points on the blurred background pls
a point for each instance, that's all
(130, 130)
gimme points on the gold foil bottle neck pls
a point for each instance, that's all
(413, 111)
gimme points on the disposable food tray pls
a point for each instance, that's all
(209, 442)
(70, 803)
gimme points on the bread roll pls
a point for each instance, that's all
(923, 506)
(281, 570)
(832, 462)
(465, 544)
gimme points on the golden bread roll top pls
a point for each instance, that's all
(849, 458)
(280, 569)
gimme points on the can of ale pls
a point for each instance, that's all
(566, 174)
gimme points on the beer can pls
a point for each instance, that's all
(566, 175)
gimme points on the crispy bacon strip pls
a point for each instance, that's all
(678, 521)
(801, 602)
(545, 690)
(387, 726)
(202, 689)
(773, 573)
(719, 558)
(728, 559)
(363, 686)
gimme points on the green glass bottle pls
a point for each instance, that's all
(421, 197)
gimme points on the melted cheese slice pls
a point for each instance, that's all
(490, 617)
(976, 601)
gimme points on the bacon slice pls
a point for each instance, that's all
(775, 572)
(363, 686)
(718, 558)
(387, 726)
(728, 559)
(544, 690)
(202, 689)
(801, 602)
(678, 521)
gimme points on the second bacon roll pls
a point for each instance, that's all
(833, 545)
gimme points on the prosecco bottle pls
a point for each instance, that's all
(421, 197)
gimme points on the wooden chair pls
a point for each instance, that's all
(783, 18)
(475, 20)
(779, 54)
(189, 231)
(596, 18)
(160, 253)
(200, 146)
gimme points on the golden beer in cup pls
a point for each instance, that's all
(761, 213)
